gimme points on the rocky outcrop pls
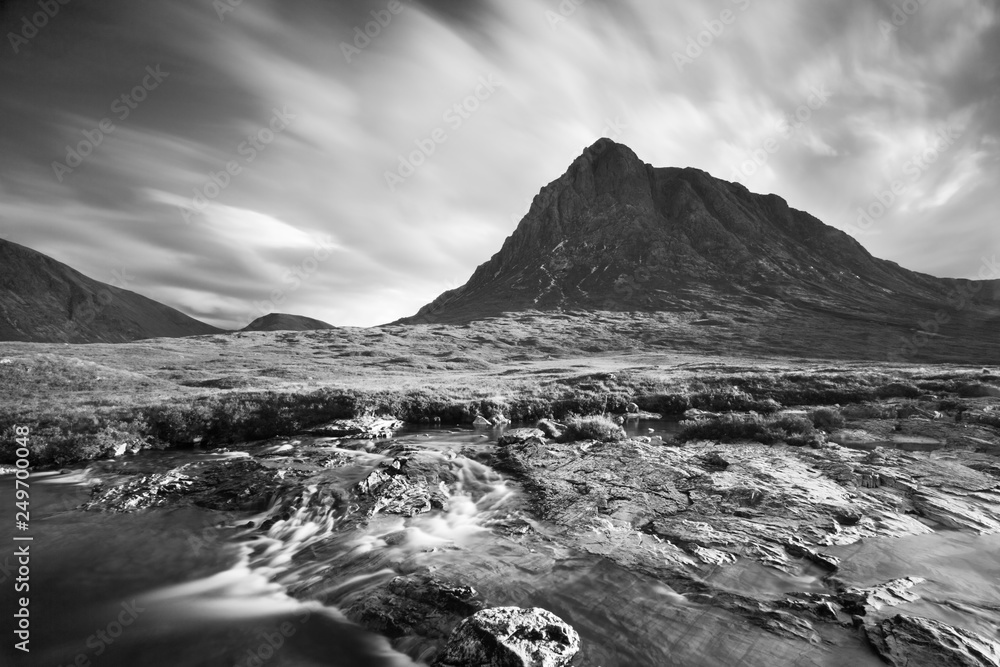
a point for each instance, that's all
(911, 641)
(861, 601)
(359, 427)
(519, 436)
(402, 487)
(771, 504)
(511, 637)
(242, 485)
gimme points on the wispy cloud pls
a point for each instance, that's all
(323, 176)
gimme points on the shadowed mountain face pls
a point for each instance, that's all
(42, 300)
(616, 234)
(283, 322)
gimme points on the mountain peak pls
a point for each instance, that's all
(616, 234)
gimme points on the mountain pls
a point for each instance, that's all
(616, 234)
(283, 322)
(42, 300)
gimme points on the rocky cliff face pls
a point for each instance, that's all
(42, 300)
(614, 233)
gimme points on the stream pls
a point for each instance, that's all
(180, 586)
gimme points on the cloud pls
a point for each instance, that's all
(603, 68)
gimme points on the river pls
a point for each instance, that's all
(180, 586)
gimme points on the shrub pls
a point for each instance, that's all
(827, 419)
(593, 428)
(733, 427)
(898, 390)
(977, 390)
(727, 428)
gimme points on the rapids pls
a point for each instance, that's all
(179, 586)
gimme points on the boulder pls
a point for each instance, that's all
(551, 429)
(519, 435)
(695, 414)
(907, 641)
(511, 637)
(481, 421)
(359, 427)
(391, 489)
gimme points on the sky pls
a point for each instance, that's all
(349, 161)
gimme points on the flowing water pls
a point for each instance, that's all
(190, 586)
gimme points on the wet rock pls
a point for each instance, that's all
(714, 461)
(712, 556)
(957, 512)
(511, 637)
(825, 561)
(632, 409)
(359, 427)
(242, 485)
(146, 491)
(909, 641)
(481, 421)
(416, 605)
(696, 414)
(860, 601)
(519, 435)
(551, 429)
(400, 487)
(847, 516)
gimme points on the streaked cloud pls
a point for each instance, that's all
(607, 67)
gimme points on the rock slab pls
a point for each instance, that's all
(511, 637)
(911, 641)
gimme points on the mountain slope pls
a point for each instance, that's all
(42, 300)
(284, 322)
(616, 234)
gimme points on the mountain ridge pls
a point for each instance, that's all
(616, 234)
(44, 300)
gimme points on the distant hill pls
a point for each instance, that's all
(616, 234)
(42, 300)
(284, 322)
